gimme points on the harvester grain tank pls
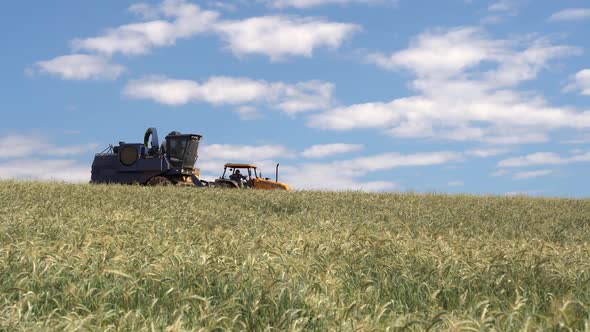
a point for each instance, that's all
(170, 163)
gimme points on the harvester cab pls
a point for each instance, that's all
(170, 163)
(181, 150)
(237, 175)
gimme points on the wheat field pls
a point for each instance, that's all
(97, 257)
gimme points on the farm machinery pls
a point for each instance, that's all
(171, 163)
(247, 176)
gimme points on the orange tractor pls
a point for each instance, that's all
(247, 176)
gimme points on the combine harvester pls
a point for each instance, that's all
(172, 163)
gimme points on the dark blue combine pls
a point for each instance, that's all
(171, 163)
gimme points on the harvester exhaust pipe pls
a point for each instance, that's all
(154, 134)
(277, 174)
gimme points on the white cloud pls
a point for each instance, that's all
(70, 150)
(187, 20)
(244, 153)
(500, 172)
(219, 90)
(302, 4)
(484, 153)
(16, 162)
(17, 146)
(278, 37)
(283, 36)
(45, 170)
(330, 177)
(519, 136)
(81, 67)
(248, 112)
(465, 82)
(442, 52)
(538, 158)
(580, 82)
(392, 160)
(524, 65)
(544, 158)
(348, 174)
(500, 6)
(223, 6)
(496, 117)
(304, 96)
(456, 184)
(162, 90)
(369, 115)
(145, 11)
(532, 174)
(325, 150)
(501, 10)
(571, 14)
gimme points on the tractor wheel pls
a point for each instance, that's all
(159, 181)
(223, 184)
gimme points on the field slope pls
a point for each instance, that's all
(130, 258)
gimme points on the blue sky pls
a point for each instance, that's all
(457, 96)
